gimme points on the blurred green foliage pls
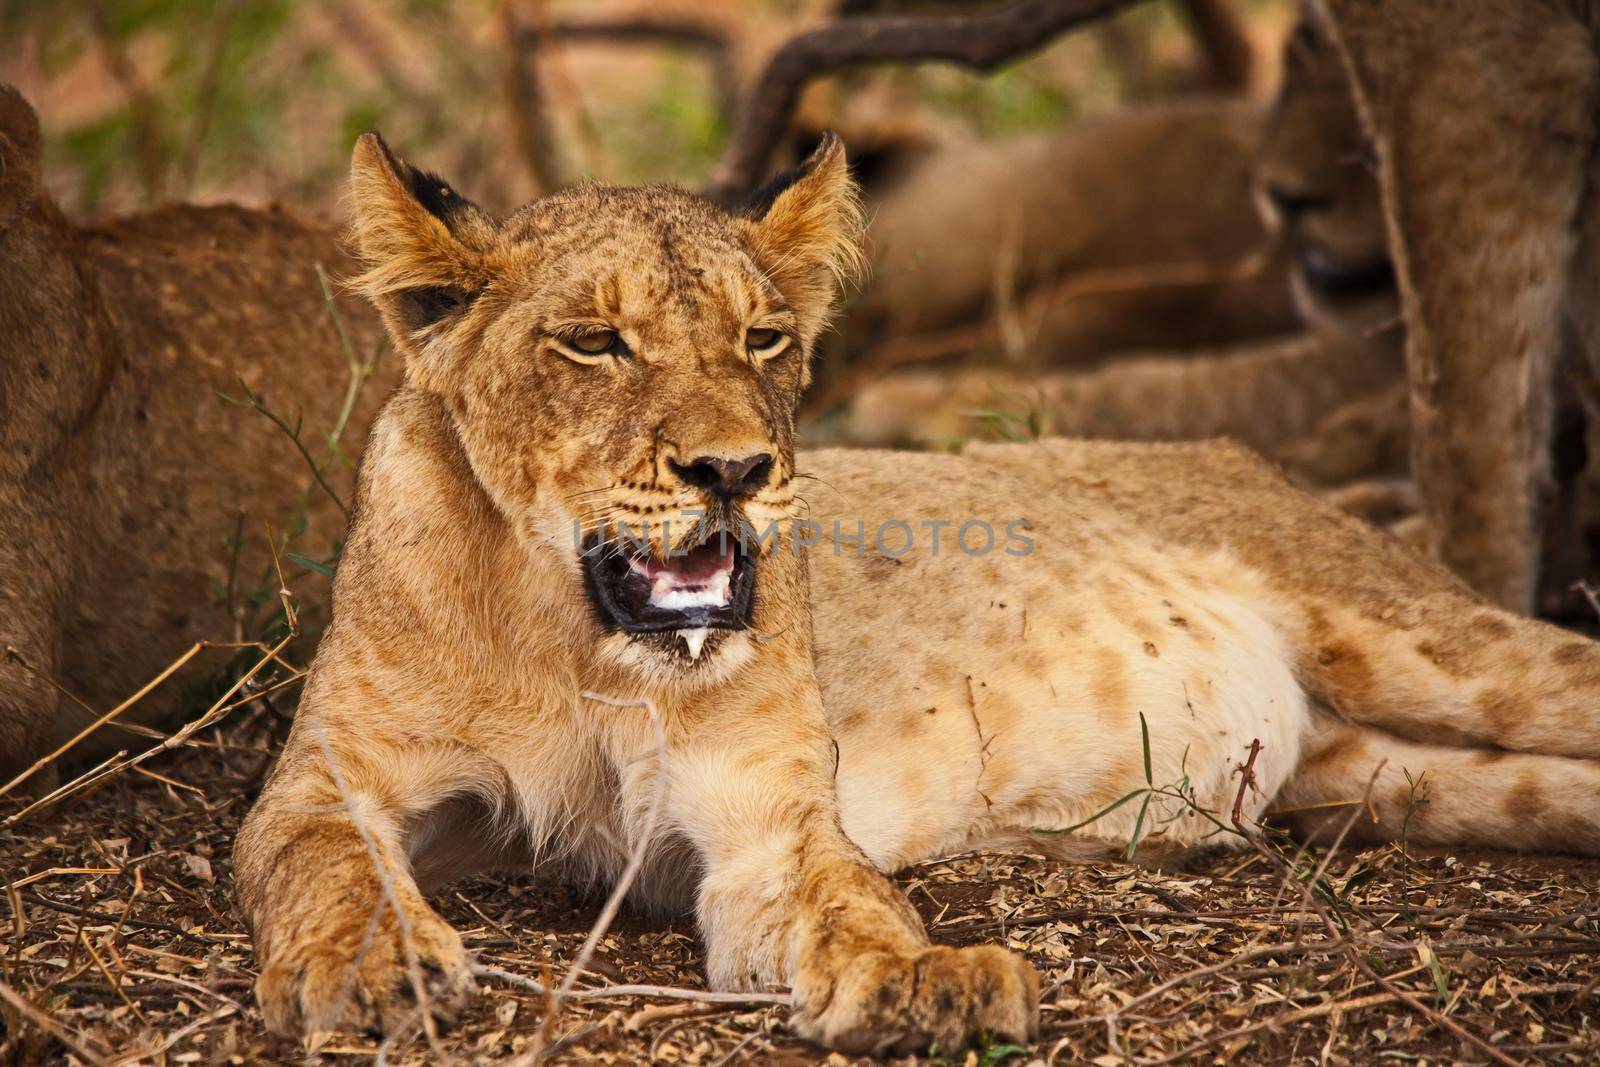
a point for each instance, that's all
(256, 98)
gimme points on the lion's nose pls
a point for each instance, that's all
(726, 477)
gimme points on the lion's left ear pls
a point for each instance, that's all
(427, 248)
(805, 228)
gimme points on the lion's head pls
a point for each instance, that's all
(1317, 179)
(622, 367)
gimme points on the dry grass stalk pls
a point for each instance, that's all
(1321, 955)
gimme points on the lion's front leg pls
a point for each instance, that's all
(788, 899)
(343, 936)
(865, 978)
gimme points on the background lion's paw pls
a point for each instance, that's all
(882, 1002)
(359, 978)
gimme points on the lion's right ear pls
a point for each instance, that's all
(21, 147)
(426, 247)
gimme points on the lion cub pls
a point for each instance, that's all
(895, 656)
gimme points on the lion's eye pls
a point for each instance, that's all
(765, 343)
(596, 342)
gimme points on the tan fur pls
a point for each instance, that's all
(1329, 402)
(1293, 398)
(881, 707)
(1080, 225)
(121, 469)
(1486, 115)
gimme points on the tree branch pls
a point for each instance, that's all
(525, 101)
(981, 41)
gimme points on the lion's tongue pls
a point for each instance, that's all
(699, 578)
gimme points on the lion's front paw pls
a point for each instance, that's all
(881, 1002)
(358, 975)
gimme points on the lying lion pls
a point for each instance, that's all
(612, 357)
(123, 474)
(1329, 403)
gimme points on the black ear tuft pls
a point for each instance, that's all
(435, 194)
(758, 202)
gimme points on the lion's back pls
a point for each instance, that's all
(203, 307)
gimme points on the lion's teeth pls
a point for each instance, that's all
(694, 640)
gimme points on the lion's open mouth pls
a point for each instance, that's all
(707, 587)
(1345, 283)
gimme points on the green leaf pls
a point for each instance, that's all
(1144, 733)
(1102, 813)
(1359, 879)
(311, 564)
(1138, 824)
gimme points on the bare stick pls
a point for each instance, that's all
(1351, 952)
(27, 1010)
(525, 100)
(155, 1051)
(256, 404)
(223, 705)
(981, 41)
(114, 981)
(702, 996)
(566, 93)
(171, 669)
(106, 770)
(1315, 1011)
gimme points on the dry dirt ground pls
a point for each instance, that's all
(121, 945)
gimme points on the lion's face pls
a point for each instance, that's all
(623, 368)
(1318, 185)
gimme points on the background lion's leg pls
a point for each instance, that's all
(1484, 155)
(1264, 394)
(1438, 795)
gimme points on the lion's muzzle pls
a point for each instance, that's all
(706, 587)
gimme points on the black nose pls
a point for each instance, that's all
(726, 477)
(1292, 203)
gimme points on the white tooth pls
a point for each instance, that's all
(694, 640)
(682, 599)
(660, 587)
